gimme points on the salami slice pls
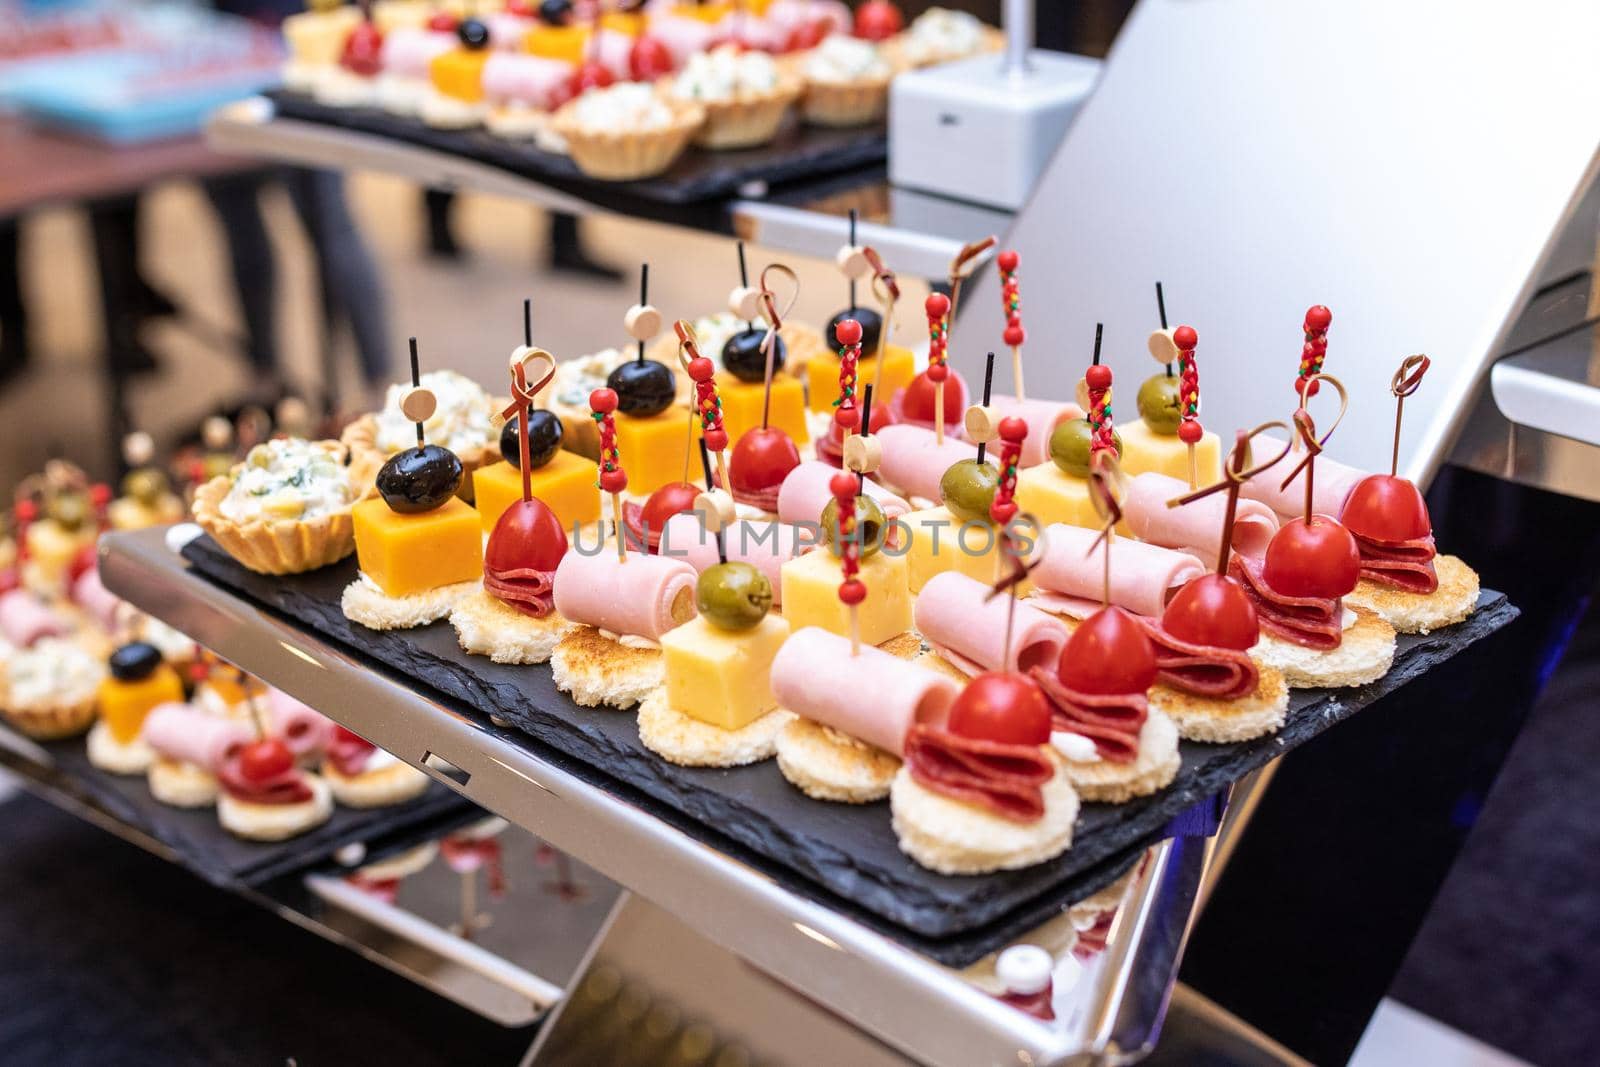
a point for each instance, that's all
(1315, 622)
(1111, 721)
(1204, 670)
(530, 591)
(1006, 779)
(1405, 565)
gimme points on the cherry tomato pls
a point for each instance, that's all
(1008, 708)
(807, 35)
(1385, 508)
(363, 50)
(918, 401)
(761, 459)
(264, 760)
(443, 22)
(878, 20)
(1108, 654)
(591, 74)
(527, 534)
(1315, 559)
(1213, 609)
(649, 59)
(87, 559)
(671, 499)
(349, 737)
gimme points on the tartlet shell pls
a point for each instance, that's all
(277, 546)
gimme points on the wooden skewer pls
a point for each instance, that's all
(616, 520)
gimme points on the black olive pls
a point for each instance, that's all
(134, 661)
(871, 327)
(743, 358)
(544, 437)
(474, 33)
(555, 12)
(419, 479)
(643, 387)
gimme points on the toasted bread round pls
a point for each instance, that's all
(1364, 655)
(275, 822)
(1420, 613)
(594, 670)
(826, 765)
(907, 645)
(935, 662)
(392, 783)
(688, 742)
(488, 626)
(114, 757)
(1115, 783)
(181, 785)
(953, 837)
(401, 864)
(367, 605)
(1208, 719)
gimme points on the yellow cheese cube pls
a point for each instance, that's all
(719, 676)
(407, 554)
(1050, 495)
(811, 595)
(822, 376)
(124, 705)
(741, 407)
(459, 74)
(652, 449)
(317, 37)
(1145, 450)
(565, 484)
(939, 542)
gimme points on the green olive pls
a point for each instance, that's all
(1158, 404)
(1069, 446)
(146, 485)
(70, 510)
(968, 489)
(734, 596)
(871, 524)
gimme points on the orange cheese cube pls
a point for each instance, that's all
(565, 484)
(566, 43)
(628, 22)
(822, 377)
(124, 705)
(741, 407)
(407, 554)
(653, 449)
(712, 13)
(459, 74)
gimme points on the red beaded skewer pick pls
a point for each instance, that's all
(1011, 304)
(1189, 429)
(852, 591)
(613, 479)
(707, 401)
(845, 413)
(1314, 351)
(1097, 379)
(937, 307)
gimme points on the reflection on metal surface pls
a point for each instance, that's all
(821, 939)
(308, 657)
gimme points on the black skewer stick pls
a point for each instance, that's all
(416, 383)
(527, 323)
(988, 381)
(866, 428)
(744, 280)
(711, 485)
(1161, 306)
(852, 245)
(644, 297)
(1099, 328)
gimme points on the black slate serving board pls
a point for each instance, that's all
(227, 861)
(846, 854)
(799, 152)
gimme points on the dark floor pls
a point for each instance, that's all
(1511, 951)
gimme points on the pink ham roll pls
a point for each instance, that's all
(407, 51)
(968, 627)
(305, 731)
(914, 459)
(791, 15)
(683, 36)
(506, 30)
(805, 493)
(612, 48)
(767, 546)
(90, 594)
(531, 80)
(1195, 527)
(180, 732)
(1042, 417)
(639, 598)
(1330, 487)
(1069, 578)
(872, 696)
(24, 619)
